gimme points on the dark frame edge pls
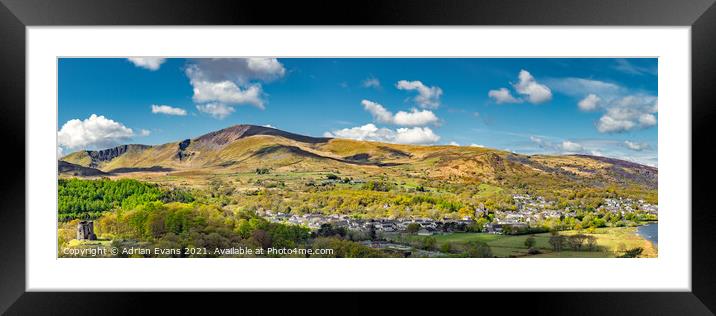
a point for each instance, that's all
(703, 96)
(14, 299)
(12, 127)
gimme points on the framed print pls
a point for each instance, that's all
(486, 148)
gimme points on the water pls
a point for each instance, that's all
(650, 232)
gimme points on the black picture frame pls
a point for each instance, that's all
(16, 15)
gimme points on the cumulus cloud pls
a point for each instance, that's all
(571, 147)
(232, 81)
(145, 132)
(378, 111)
(168, 110)
(151, 63)
(93, 132)
(589, 103)
(428, 97)
(226, 92)
(636, 146)
(413, 118)
(238, 70)
(502, 95)
(454, 143)
(414, 135)
(216, 110)
(527, 86)
(477, 145)
(628, 113)
(534, 91)
(371, 82)
(622, 109)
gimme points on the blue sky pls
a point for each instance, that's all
(605, 107)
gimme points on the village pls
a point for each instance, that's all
(529, 212)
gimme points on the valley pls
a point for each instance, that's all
(260, 187)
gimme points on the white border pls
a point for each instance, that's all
(670, 271)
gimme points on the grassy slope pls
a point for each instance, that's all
(503, 245)
(406, 163)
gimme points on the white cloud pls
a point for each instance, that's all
(93, 132)
(413, 118)
(371, 82)
(365, 132)
(534, 91)
(454, 143)
(238, 70)
(636, 146)
(541, 142)
(168, 110)
(269, 126)
(414, 135)
(589, 103)
(145, 132)
(623, 110)
(151, 63)
(378, 111)
(580, 87)
(59, 152)
(232, 81)
(571, 147)
(564, 147)
(628, 67)
(227, 92)
(628, 113)
(266, 69)
(216, 110)
(428, 97)
(477, 145)
(502, 95)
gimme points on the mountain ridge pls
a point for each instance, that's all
(242, 148)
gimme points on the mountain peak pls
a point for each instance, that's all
(232, 133)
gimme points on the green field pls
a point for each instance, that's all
(610, 242)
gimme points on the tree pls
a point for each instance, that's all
(556, 241)
(478, 249)
(328, 230)
(530, 241)
(592, 243)
(262, 238)
(429, 243)
(576, 241)
(371, 232)
(412, 228)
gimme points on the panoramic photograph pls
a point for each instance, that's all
(264, 157)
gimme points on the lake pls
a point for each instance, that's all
(650, 232)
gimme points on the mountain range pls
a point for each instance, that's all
(243, 148)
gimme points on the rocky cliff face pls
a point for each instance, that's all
(111, 153)
(181, 153)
